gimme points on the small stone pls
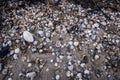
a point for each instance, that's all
(9, 43)
(58, 59)
(15, 56)
(104, 23)
(61, 57)
(51, 60)
(47, 40)
(56, 64)
(28, 36)
(76, 43)
(96, 24)
(11, 52)
(34, 49)
(57, 77)
(79, 75)
(70, 42)
(82, 64)
(86, 71)
(9, 78)
(17, 41)
(97, 57)
(17, 50)
(21, 74)
(47, 69)
(50, 24)
(35, 42)
(31, 75)
(41, 66)
(69, 57)
(68, 73)
(29, 64)
(41, 33)
(70, 67)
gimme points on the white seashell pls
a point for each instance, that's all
(28, 36)
(31, 75)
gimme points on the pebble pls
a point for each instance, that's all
(34, 49)
(41, 33)
(86, 71)
(28, 36)
(69, 57)
(79, 75)
(76, 43)
(104, 23)
(68, 73)
(56, 64)
(9, 43)
(70, 42)
(31, 75)
(15, 56)
(35, 42)
(21, 74)
(50, 24)
(11, 52)
(10, 79)
(97, 57)
(29, 64)
(61, 57)
(57, 77)
(51, 60)
(96, 24)
(82, 64)
(17, 50)
(70, 67)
